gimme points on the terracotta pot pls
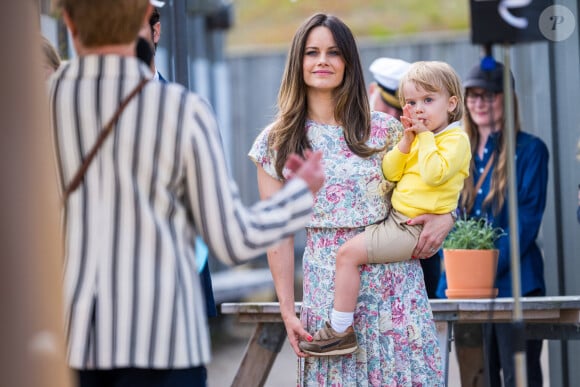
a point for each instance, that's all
(470, 273)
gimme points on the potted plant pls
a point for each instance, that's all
(470, 259)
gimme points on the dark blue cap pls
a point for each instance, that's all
(490, 80)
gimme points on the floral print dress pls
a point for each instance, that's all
(393, 320)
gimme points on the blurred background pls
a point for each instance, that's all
(233, 54)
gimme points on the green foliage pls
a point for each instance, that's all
(473, 234)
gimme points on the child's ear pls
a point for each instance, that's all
(452, 104)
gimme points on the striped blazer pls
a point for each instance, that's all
(131, 289)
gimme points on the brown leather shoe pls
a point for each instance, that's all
(328, 342)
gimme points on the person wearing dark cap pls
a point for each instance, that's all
(384, 97)
(485, 126)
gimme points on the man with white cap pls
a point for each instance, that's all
(383, 92)
(134, 310)
(384, 97)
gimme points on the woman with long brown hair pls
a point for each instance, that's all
(323, 105)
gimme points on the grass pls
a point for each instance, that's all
(273, 22)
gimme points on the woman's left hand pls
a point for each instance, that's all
(435, 229)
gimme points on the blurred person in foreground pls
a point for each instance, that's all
(484, 123)
(384, 97)
(134, 308)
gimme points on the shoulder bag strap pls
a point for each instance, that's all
(78, 178)
(484, 173)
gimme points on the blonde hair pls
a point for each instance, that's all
(497, 193)
(50, 54)
(106, 22)
(435, 76)
(352, 108)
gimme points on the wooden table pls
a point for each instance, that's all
(551, 318)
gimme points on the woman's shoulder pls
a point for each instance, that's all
(262, 154)
(531, 143)
(385, 127)
(260, 151)
(263, 133)
(526, 137)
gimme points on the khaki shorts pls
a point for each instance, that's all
(392, 240)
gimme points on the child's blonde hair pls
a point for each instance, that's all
(435, 76)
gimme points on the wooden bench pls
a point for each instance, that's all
(552, 318)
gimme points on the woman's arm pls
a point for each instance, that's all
(281, 262)
(435, 229)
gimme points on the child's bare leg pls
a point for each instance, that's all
(339, 338)
(349, 257)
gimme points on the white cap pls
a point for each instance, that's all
(157, 3)
(388, 72)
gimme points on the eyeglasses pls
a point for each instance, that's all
(486, 96)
